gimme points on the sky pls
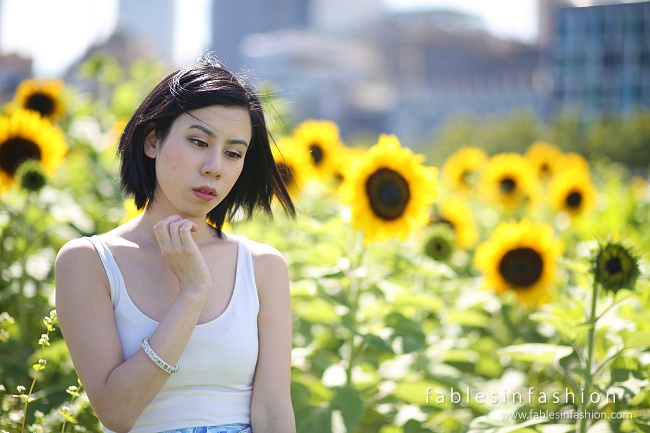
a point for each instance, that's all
(57, 32)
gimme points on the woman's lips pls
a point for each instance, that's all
(205, 194)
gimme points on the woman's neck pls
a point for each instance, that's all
(143, 226)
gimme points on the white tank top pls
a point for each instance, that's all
(214, 384)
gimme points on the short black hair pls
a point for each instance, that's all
(204, 83)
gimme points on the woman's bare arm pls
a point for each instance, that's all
(271, 409)
(120, 390)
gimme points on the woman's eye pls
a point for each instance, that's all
(232, 154)
(199, 143)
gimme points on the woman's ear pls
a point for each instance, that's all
(151, 144)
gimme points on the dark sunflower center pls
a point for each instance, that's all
(316, 153)
(465, 177)
(285, 173)
(388, 193)
(544, 167)
(574, 199)
(15, 151)
(507, 185)
(614, 266)
(521, 267)
(40, 102)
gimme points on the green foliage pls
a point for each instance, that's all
(385, 338)
(626, 140)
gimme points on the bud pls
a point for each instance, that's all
(44, 340)
(440, 243)
(31, 175)
(615, 267)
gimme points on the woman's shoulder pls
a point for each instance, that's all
(263, 254)
(77, 262)
(269, 264)
(76, 249)
(83, 252)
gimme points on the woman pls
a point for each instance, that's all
(173, 325)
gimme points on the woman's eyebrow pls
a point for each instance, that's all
(213, 135)
(235, 141)
(204, 129)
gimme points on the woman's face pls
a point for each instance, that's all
(200, 160)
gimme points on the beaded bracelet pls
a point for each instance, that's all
(155, 358)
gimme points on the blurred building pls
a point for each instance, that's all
(149, 24)
(600, 59)
(444, 63)
(402, 73)
(233, 21)
(13, 70)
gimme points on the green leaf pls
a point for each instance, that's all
(426, 301)
(642, 423)
(536, 352)
(636, 339)
(558, 428)
(315, 310)
(349, 402)
(68, 417)
(416, 393)
(626, 384)
(413, 338)
(311, 419)
(378, 343)
(569, 327)
(414, 426)
(461, 355)
(470, 318)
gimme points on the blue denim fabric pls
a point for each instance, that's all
(227, 428)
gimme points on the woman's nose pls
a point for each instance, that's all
(213, 164)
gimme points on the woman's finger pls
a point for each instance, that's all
(186, 235)
(175, 233)
(156, 231)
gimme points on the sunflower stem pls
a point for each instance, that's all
(589, 359)
(24, 233)
(354, 293)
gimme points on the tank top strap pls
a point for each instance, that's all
(246, 270)
(110, 266)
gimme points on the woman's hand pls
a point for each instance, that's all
(183, 255)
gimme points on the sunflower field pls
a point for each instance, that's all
(489, 291)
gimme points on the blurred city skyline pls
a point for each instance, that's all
(69, 27)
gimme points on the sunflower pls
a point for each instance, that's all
(509, 179)
(390, 191)
(520, 256)
(293, 164)
(42, 96)
(320, 140)
(456, 213)
(572, 191)
(350, 156)
(461, 168)
(26, 135)
(130, 210)
(615, 267)
(112, 138)
(545, 158)
(573, 160)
